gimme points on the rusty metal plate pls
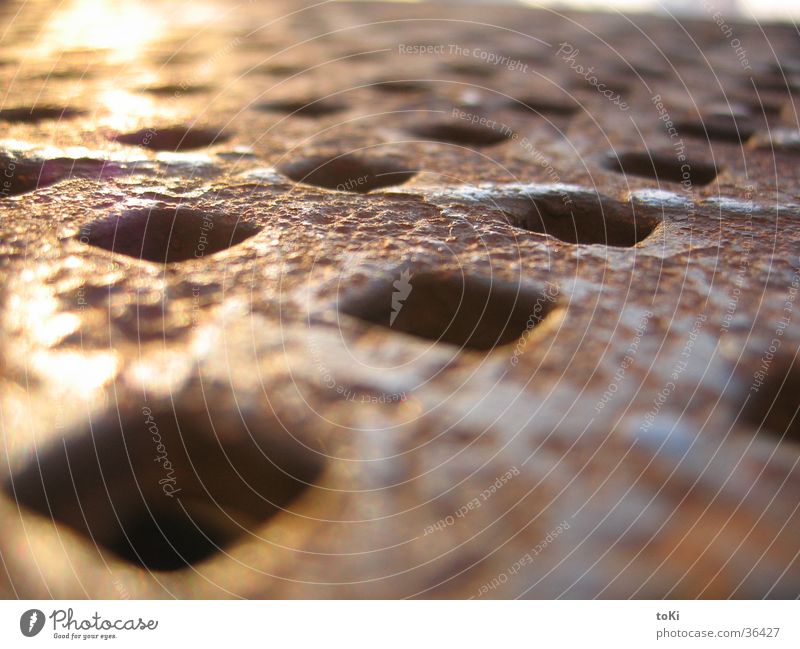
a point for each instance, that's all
(389, 300)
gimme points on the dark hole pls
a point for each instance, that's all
(167, 235)
(172, 138)
(473, 312)
(720, 128)
(762, 107)
(347, 172)
(398, 86)
(463, 133)
(167, 488)
(664, 167)
(19, 176)
(580, 218)
(617, 87)
(173, 90)
(774, 407)
(300, 108)
(636, 70)
(787, 65)
(775, 83)
(544, 106)
(79, 72)
(40, 114)
(164, 541)
(280, 69)
(468, 68)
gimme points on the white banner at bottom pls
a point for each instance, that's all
(401, 624)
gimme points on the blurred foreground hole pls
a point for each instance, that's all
(165, 489)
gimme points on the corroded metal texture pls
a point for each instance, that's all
(371, 300)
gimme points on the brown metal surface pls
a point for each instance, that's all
(391, 300)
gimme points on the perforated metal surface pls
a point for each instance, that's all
(444, 312)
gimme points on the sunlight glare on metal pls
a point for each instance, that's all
(123, 29)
